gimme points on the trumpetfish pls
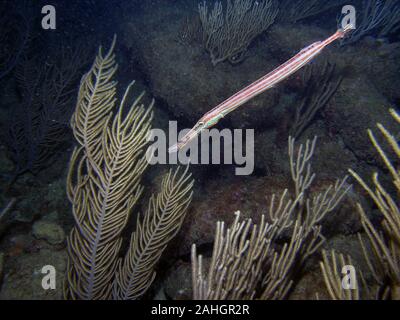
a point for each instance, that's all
(266, 82)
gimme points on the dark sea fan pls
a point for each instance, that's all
(38, 125)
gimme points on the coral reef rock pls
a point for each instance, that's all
(49, 231)
(23, 279)
(178, 283)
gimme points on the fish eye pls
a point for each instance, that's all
(201, 123)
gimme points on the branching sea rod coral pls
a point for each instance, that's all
(247, 262)
(227, 35)
(320, 85)
(382, 247)
(331, 268)
(103, 186)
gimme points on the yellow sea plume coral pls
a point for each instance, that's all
(104, 185)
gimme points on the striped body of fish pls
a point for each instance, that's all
(259, 86)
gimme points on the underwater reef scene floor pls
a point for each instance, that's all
(84, 214)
